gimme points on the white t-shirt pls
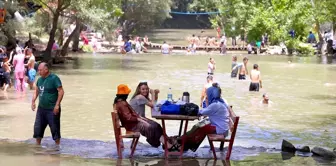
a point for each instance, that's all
(120, 38)
(249, 47)
(210, 67)
(165, 48)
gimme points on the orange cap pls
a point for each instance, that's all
(123, 89)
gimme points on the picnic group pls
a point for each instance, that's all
(48, 88)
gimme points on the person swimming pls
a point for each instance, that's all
(266, 100)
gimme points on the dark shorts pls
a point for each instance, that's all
(7, 77)
(254, 86)
(242, 77)
(46, 117)
(210, 74)
(233, 75)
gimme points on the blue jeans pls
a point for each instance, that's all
(46, 117)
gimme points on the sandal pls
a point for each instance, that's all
(173, 148)
(175, 145)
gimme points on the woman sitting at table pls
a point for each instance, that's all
(217, 111)
(133, 122)
(141, 98)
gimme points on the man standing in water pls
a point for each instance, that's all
(243, 69)
(233, 65)
(50, 92)
(205, 87)
(255, 79)
(211, 66)
(31, 70)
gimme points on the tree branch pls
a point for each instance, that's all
(65, 6)
(43, 3)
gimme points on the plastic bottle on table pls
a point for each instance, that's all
(170, 95)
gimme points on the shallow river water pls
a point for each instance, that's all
(302, 94)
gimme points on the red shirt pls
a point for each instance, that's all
(127, 116)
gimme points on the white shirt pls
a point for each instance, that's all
(165, 48)
(120, 38)
(249, 47)
(210, 67)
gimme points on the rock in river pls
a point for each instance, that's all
(287, 146)
(323, 153)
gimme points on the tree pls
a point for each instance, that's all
(56, 7)
(96, 13)
(143, 14)
(253, 18)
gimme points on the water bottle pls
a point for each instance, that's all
(170, 95)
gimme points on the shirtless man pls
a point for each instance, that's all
(243, 69)
(30, 66)
(255, 79)
(265, 99)
(193, 43)
(211, 66)
(205, 87)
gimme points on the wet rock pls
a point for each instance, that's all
(303, 149)
(323, 153)
(287, 147)
(287, 155)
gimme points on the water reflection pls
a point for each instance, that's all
(173, 162)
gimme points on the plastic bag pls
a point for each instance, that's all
(169, 108)
(189, 109)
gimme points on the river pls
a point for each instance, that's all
(302, 110)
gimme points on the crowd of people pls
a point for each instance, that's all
(132, 113)
(48, 88)
(20, 61)
(133, 45)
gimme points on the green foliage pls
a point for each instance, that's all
(87, 48)
(254, 18)
(305, 49)
(300, 47)
(144, 14)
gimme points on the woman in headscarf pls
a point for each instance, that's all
(218, 113)
(133, 122)
(19, 70)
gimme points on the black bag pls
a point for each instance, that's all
(189, 109)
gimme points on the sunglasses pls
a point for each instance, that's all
(143, 83)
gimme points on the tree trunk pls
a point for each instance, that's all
(61, 37)
(66, 44)
(127, 27)
(75, 39)
(47, 52)
(321, 40)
